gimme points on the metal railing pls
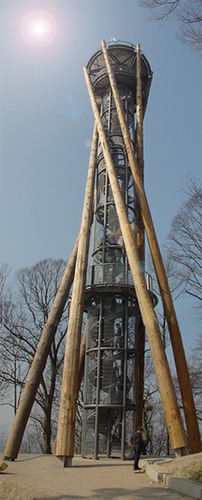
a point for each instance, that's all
(114, 274)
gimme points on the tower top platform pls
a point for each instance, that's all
(123, 60)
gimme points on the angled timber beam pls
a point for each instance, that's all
(175, 335)
(38, 364)
(66, 424)
(169, 400)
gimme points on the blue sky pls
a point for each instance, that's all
(46, 119)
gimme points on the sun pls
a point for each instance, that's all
(39, 28)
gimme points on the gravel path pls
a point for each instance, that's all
(42, 477)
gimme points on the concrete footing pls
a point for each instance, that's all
(178, 484)
(185, 486)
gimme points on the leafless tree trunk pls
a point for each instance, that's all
(188, 13)
(21, 333)
(186, 241)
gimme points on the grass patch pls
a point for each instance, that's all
(196, 474)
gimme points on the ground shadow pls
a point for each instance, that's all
(151, 493)
(93, 465)
(122, 493)
(32, 457)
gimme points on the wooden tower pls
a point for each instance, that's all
(117, 295)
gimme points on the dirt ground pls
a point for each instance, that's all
(43, 477)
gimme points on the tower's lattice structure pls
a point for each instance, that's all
(113, 290)
(110, 395)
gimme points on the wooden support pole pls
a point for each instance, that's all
(175, 335)
(140, 333)
(170, 405)
(139, 116)
(66, 423)
(80, 374)
(38, 364)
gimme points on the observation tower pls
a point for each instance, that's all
(114, 291)
(113, 387)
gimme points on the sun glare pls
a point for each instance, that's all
(39, 28)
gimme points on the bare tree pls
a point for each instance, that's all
(195, 369)
(186, 240)
(22, 326)
(176, 286)
(5, 302)
(154, 420)
(5, 289)
(188, 13)
(183, 264)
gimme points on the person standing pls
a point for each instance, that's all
(138, 445)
